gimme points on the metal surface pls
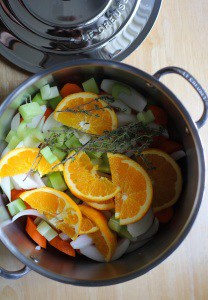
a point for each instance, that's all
(14, 274)
(199, 89)
(42, 33)
(82, 271)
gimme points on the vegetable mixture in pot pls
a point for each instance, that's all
(92, 168)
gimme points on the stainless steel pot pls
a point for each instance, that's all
(83, 271)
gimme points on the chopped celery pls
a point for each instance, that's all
(118, 89)
(55, 101)
(96, 161)
(15, 140)
(48, 155)
(145, 117)
(60, 139)
(73, 142)
(59, 153)
(38, 99)
(47, 231)
(74, 198)
(120, 229)
(10, 135)
(94, 154)
(57, 181)
(48, 92)
(16, 206)
(30, 110)
(32, 137)
(104, 168)
(22, 129)
(114, 224)
(90, 86)
(37, 221)
(45, 91)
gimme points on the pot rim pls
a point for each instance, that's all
(200, 154)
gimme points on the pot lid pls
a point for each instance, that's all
(42, 33)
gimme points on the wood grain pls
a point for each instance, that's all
(179, 37)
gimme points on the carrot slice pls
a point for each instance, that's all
(165, 215)
(48, 112)
(70, 88)
(170, 146)
(31, 229)
(161, 117)
(16, 193)
(62, 246)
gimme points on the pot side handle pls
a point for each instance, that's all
(14, 274)
(198, 88)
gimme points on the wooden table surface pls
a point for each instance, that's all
(179, 37)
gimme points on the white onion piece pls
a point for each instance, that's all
(64, 236)
(158, 127)
(134, 246)
(38, 248)
(81, 242)
(28, 212)
(150, 232)
(16, 186)
(92, 253)
(6, 186)
(178, 155)
(35, 121)
(83, 137)
(140, 227)
(38, 180)
(20, 145)
(43, 107)
(50, 123)
(135, 101)
(24, 182)
(15, 122)
(5, 151)
(124, 119)
(122, 246)
(40, 125)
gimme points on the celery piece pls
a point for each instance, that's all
(47, 231)
(57, 181)
(38, 99)
(114, 224)
(16, 206)
(94, 154)
(48, 92)
(74, 198)
(48, 155)
(145, 117)
(96, 161)
(55, 101)
(73, 142)
(60, 139)
(22, 129)
(15, 140)
(30, 110)
(118, 89)
(104, 168)
(10, 135)
(90, 86)
(123, 232)
(32, 137)
(59, 153)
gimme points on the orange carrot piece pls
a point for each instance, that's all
(62, 246)
(15, 194)
(48, 112)
(161, 117)
(165, 215)
(70, 88)
(31, 229)
(170, 146)
(158, 140)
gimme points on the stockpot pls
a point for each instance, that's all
(82, 271)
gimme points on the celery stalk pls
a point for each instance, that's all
(38, 99)
(30, 110)
(57, 181)
(74, 198)
(90, 86)
(15, 140)
(47, 231)
(59, 153)
(73, 142)
(48, 155)
(55, 101)
(16, 206)
(10, 135)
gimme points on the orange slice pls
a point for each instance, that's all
(104, 205)
(22, 160)
(98, 119)
(166, 178)
(104, 239)
(84, 182)
(135, 196)
(87, 226)
(58, 207)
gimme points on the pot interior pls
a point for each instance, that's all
(82, 270)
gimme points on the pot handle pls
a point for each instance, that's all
(198, 88)
(14, 274)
